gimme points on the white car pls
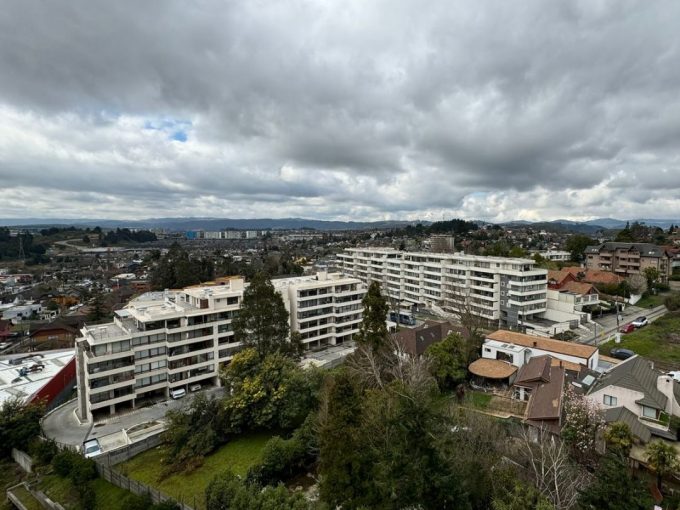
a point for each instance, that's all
(91, 448)
(640, 321)
(675, 375)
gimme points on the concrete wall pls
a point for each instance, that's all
(23, 460)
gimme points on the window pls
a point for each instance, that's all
(649, 412)
(609, 400)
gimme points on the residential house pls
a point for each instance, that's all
(518, 348)
(633, 384)
(629, 258)
(415, 341)
(541, 383)
(60, 333)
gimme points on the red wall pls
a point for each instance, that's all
(55, 385)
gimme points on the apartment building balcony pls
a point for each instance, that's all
(191, 376)
(101, 384)
(528, 302)
(109, 368)
(141, 390)
(183, 365)
(526, 292)
(102, 400)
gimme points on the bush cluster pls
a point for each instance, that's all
(81, 471)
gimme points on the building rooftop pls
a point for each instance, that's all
(492, 368)
(635, 374)
(13, 385)
(544, 344)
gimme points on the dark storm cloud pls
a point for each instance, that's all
(347, 109)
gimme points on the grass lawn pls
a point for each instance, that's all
(653, 300)
(478, 399)
(10, 475)
(61, 490)
(237, 456)
(658, 341)
(27, 498)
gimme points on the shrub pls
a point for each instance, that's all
(63, 461)
(672, 302)
(43, 450)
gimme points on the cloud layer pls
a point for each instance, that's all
(348, 110)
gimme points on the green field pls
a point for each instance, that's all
(658, 341)
(478, 399)
(237, 456)
(61, 490)
(653, 300)
(27, 498)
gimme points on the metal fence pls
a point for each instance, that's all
(139, 488)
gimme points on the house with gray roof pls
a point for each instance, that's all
(626, 259)
(636, 386)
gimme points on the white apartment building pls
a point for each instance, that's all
(325, 309)
(159, 342)
(510, 291)
(555, 255)
(164, 341)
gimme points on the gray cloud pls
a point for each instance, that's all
(355, 110)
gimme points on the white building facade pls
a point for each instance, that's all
(325, 309)
(510, 291)
(163, 341)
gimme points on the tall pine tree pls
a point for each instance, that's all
(262, 321)
(373, 328)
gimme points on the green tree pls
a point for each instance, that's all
(450, 359)
(341, 462)
(517, 252)
(652, 274)
(615, 488)
(373, 327)
(521, 497)
(262, 321)
(663, 459)
(273, 393)
(98, 310)
(228, 492)
(619, 438)
(576, 245)
(193, 433)
(19, 425)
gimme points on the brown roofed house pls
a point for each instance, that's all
(415, 341)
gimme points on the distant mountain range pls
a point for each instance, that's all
(181, 224)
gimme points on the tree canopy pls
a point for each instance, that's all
(373, 327)
(262, 321)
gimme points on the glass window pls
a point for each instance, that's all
(609, 400)
(648, 412)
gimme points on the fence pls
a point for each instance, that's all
(127, 452)
(23, 460)
(139, 488)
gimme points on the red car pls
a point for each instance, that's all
(628, 328)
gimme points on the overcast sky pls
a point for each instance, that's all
(362, 110)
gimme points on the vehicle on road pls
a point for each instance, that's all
(628, 328)
(91, 448)
(178, 393)
(675, 375)
(622, 354)
(640, 322)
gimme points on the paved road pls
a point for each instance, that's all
(607, 325)
(63, 426)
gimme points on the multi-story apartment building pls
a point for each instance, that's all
(159, 342)
(511, 291)
(325, 309)
(629, 258)
(169, 340)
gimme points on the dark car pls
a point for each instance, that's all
(621, 353)
(628, 328)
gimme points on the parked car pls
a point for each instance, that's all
(675, 375)
(91, 448)
(620, 353)
(195, 387)
(178, 393)
(640, 321)
(628, 328)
